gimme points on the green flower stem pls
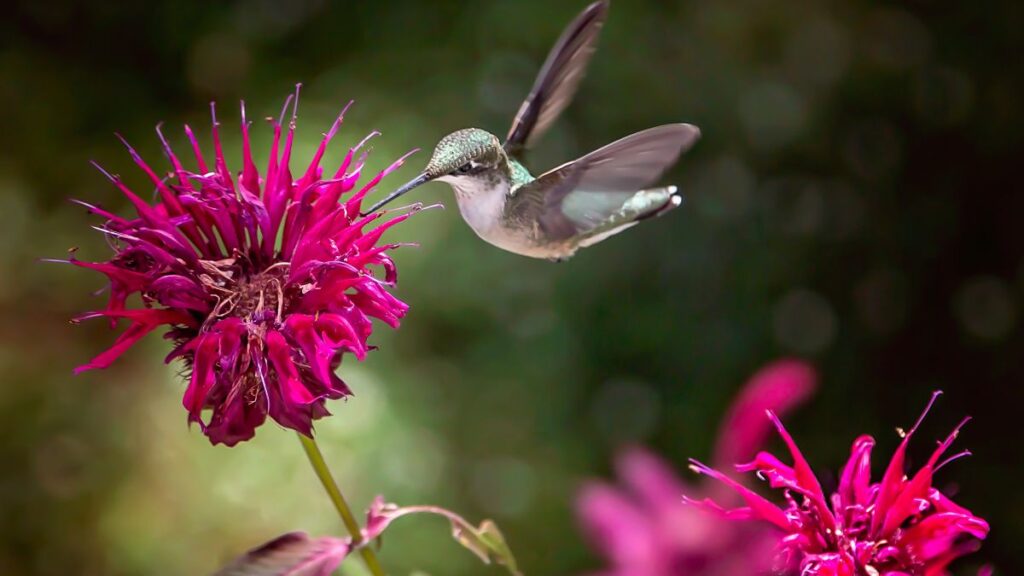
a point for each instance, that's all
(316, 459)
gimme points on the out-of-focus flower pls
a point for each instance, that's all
(899, 526)
(263, 279)
(645, 529)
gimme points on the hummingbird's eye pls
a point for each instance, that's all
(465, 168)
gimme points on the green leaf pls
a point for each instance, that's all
(485, 541)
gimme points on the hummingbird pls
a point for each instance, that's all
(569, 207)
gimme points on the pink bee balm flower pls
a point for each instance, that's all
(899, 526)
(645, 529)
(264, 281)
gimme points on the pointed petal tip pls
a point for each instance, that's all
(924, 413)
(284, 109)
(112, 177)
(241, 106)
(401, 160)
(367, 138)
(698, 467)
(135, 155)
(295, 105)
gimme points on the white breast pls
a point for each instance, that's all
(482, 204)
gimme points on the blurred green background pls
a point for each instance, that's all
(855, 201)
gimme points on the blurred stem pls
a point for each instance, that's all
(316, 459)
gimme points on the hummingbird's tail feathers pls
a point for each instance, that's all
(640, 206)
(674, 200)
(558, 79)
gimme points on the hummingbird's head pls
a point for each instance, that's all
(460, 155)
(464, 153)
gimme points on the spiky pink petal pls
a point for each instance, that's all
(779, 386)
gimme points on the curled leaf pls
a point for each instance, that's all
(292, 554)
(486, 540)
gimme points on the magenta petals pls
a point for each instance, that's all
(654, 524)
(263, 282)
(899, 526)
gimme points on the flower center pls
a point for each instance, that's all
(260, 297)
(255, 298)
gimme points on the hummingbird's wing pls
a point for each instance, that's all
(581, 196)
(558, 78)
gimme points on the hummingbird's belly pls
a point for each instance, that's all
(524, 242)
(484, 211)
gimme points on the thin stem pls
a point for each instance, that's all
(316, 459)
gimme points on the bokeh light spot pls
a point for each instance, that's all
(773, 114)
(416, 460)
(817, 55)
(896, 39)
(625, 411)
(725, 188)
(943, 96)
(218, 64)
(881, 300)
(986, 308)
(504, 486)
(872, 149)
(804, 322)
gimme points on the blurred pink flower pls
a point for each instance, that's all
(899, 526)
(263, 280)
(644, 528)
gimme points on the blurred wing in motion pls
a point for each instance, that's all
(558, 79)
(604, 191)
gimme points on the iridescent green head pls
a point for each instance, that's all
(462, 154)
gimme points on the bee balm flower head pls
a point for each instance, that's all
(264, 280)
(897, 526)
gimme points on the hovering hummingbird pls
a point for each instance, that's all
(574, 205)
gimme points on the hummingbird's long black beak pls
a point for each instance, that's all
(421, 179)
